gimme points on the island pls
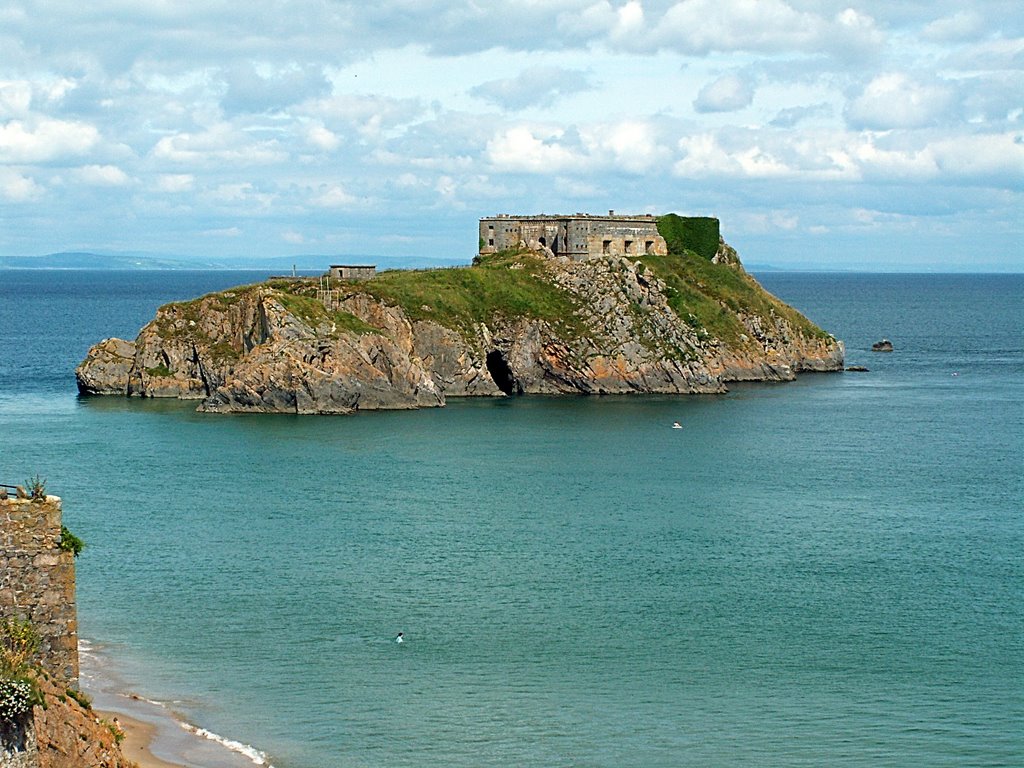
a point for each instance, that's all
(580, 304)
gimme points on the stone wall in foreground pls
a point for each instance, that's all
(37, 581)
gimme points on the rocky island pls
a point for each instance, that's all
(553, 305)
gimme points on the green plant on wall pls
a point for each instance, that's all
(69, 542)
(19, 691)
(19, 642)
(36, 488)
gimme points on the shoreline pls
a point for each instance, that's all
(138, 737)
(155, 735)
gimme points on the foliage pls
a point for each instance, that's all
(508, 284)
(314, 314)
(16, 698)
(711, 296)
(36, 488)
(80, 697)
(160, 370)
(115, 730)
(19, 642)
(69, 542)
(699, 234)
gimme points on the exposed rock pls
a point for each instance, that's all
(856, 369)
(69, 735)
(280, 347)
(106, 368)
(882, 346)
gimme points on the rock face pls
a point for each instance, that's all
(63, 734)
(882, 346)
(285, 347)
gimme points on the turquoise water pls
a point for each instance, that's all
(822, 572)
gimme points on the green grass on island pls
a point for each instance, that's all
(507, 285)
(708, 295)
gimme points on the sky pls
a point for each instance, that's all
(852, 135)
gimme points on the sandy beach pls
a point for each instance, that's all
(137, 739)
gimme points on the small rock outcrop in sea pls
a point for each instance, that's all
(856, 369)
(514, 323)
(882, 346)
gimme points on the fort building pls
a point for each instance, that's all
(579, 236)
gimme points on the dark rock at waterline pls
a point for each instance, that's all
(856, 369)
(882, 346)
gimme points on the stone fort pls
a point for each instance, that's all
(578, 237)
(37, 580)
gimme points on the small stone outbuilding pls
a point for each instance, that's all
(352, 271)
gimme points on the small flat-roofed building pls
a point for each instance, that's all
(579, 236)
(352, 271)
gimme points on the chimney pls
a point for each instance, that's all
(611, 212)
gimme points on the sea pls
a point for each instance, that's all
(823, 572)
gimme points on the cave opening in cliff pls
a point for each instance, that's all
(501, 373)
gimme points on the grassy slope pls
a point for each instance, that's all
(708, 295)
(507, 285)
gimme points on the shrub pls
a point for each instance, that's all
(19, 642)
(36, 488)
(80, 697)
(69, 542)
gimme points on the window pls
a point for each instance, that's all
(629, 247)
(606, 246)
(649, 246)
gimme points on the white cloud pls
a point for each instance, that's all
(332, 196)
(15, 98)
(45, 139)
(102, 176)
(219, 144)
(700, 26)
(15, 188)
(293, 237)
(630, 145)
(251, 90)
(963, 25)
(222, 232)
(895, 100)
(175, 182)
(322, 138)
(529, 150)
(534, 86)
(727, 93)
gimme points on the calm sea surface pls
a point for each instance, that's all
(829, 572)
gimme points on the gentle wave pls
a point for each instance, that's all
(259, 758)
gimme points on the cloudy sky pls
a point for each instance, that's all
(855, 134)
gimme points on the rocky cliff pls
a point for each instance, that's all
(513, 323)
(65, 733)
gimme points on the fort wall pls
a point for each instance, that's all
(578, 237)
(37, 581)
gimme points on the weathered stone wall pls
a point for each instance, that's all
(37, 580)
(578, 237)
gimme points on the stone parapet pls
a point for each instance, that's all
(37, 580)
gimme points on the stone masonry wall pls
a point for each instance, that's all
(37, 580)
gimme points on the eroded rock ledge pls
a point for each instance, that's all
(515, 323)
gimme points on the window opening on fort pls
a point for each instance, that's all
(629, 246)
(648, 245)
(606, 246)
